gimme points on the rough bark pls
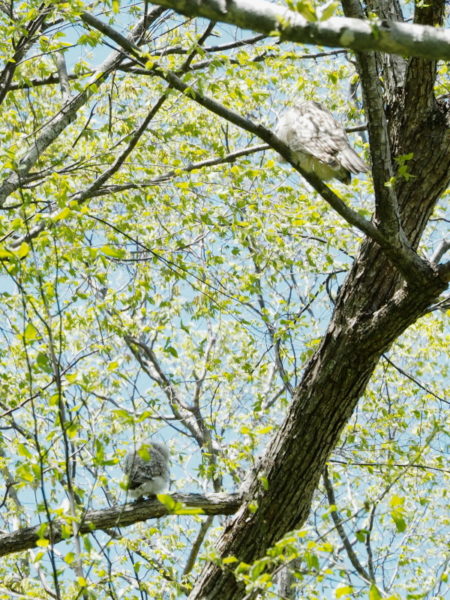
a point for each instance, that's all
(374, 307)
(117, 516)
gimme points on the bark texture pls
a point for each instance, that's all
(374, 307)
(117, 516)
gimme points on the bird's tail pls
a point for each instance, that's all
(351, 161)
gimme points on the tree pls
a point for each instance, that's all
(165, 274)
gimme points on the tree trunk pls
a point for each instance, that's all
(373, 309)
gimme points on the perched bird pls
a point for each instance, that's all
(319, 142)
(147, 469)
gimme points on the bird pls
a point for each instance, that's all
(319, 143)
(147, 469)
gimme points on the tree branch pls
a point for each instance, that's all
(123, 515)
(146, 357)
(66, 115)
(340, 528)
(266, 17)
(387, 212)
(414, 269)
(31, 29)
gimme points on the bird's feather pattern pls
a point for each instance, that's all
(147, 469)
(319, 142)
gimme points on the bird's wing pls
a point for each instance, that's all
(145, 471)
(311, 129)
(140, 470)
(318, 132)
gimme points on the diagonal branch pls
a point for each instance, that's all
(340, 528)
(151, 366)
(21, 48)
(50, 132)
(414, 269)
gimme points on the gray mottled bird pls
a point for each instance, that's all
(319, 142)
(147, 469)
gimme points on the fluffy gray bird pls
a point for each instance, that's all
(147, 469)
(319, 142)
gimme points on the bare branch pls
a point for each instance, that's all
(124, 515)
(63, 75)
(414, 269)
(65, 116)
(197, 544)
(442, 249)
(359, 35)
(150, 364)
(340, 528)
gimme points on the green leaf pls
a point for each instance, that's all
(305, 8)
(69, 558)
(5, 254)
(22, 250)
(345, 590)
(25, 472)
(374, 594)
(228, 560)
(188, 510)
(327, 11)
(63, 214)
(168, 501)
(112, 252)
(264, 481)
(23, 451)
(312, 561)
(264, 430)
(31, 333)
(43, 362)
(177, 508)
(399, 521)
(171, 350)
(361, 535)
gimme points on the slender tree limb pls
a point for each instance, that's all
(204, 527)
(275, 342)
(368, 542)
(387, 213)
(340, 528)
(21, 48)
(266, 17)
(414, 269)
(66, 115)
(148, 360)
(123, 515)
(442, 249)
(414, 380)
(385, 464)
(50, 80)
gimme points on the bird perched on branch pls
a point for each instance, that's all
(147, 469)
(319, 142)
